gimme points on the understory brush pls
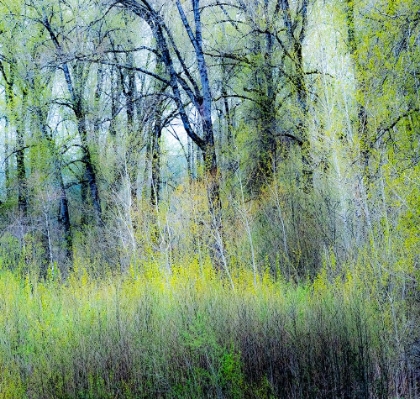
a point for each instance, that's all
(187, 334)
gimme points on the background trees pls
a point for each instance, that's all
(297, 121)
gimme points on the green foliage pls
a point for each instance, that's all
(187, 334)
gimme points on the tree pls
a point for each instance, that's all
(15, 94)
(270, 37)
(25, 72)
(75, 76)
(197, 91)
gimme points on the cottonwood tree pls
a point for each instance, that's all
(53, 20)
(37, 154)
(381, 41)
(40, 102)
(270, 36)
(271, 81)
(188, 86)
(16, 91)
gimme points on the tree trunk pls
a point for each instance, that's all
(97, 101)
(362, 117)
(63, 203)
(93, 187)
(363, 181)
(15, 116)
(20, 159)
(268, 123)
(131, 154)
(156, 180)
(295, 38)
(200, 97)
(130, 93)
(76, 96)
(21, 174)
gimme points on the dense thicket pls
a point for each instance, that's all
(271, 136)
(151, 335)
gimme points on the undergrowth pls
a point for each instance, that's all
(188, 334)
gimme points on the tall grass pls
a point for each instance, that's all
(188, 334)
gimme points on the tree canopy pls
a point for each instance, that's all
(261, 132)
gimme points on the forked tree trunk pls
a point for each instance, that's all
(200, 96)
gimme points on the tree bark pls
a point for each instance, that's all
(156, 180)
(21, 173)
(17, 117)
(362, 117)
(90, 172)
(7, 130)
